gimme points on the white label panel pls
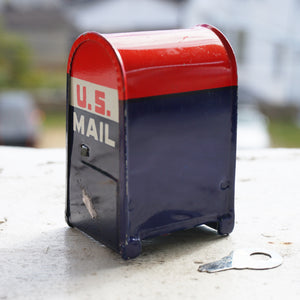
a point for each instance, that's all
(94, 98)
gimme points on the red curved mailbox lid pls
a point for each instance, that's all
(144, 64)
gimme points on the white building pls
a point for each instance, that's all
(266, 39)
(124, 15)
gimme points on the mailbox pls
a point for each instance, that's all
(151, 147)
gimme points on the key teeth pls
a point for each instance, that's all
(239, 260)
(204, 269)
(223, 264)
(209, 268)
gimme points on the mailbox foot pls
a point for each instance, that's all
(225, 224)
(132, 249)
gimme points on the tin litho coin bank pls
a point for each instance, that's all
(151, 120)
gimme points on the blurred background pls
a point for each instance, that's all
(36, 36)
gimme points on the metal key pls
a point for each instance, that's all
(244, 259)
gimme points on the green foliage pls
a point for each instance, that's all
(284, 134)
(39, 78)
(14, 61)
(55, 120)
(16, 68)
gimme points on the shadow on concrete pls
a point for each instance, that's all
(85, 255)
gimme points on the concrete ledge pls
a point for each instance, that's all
(42, 258)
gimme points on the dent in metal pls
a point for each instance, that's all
(87, 200)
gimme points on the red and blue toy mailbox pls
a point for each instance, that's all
(151, 120)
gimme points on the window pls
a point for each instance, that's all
(278, 60)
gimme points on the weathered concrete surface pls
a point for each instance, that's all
(41, 258)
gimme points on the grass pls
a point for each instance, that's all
(54, 120)
(53, 130)
(51, 79)
(284, 134)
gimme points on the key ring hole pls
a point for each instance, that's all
(260, 256)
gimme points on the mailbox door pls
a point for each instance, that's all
(93, 143)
